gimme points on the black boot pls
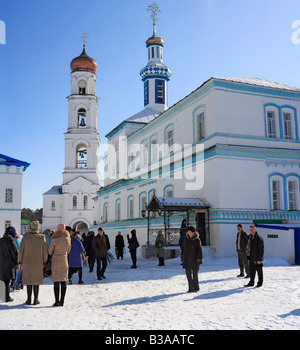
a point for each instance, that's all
(63, 293)
(36, 295)
(56, 294)
(29, 292)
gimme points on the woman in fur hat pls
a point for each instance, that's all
(59, 249)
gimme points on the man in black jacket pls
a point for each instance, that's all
(255, 254)
(241, 245)
(8, 259)
(192, 257)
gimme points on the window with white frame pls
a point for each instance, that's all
(74, 200)
(85, 202)
(200, 126)
(130, 207)
(8, 195)
(144, 153)
(293, 193)
(271, 124)
(52, 205)
(287, 126)
(169, 138)
(143, 201)
(105, 212)
(169, 192)
(153, 149)
(118, 210)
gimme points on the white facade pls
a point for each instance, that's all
(71, 203)
(249, 131)
(11, 175)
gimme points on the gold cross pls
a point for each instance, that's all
(154, 9)
(84, 36)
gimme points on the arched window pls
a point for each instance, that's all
(130, 207)
(81, 118)
(74, 202)
(85, 202)
(293, 192)
(277, 192)
(144, 152)
(105, 212)
(200, 126)
(118, 209)
(81, 157)
(168, 191)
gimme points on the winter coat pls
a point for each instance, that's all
(33, 256)
(191, 252)
(133, 243)
(8, 257)
(75, 258)
(159, 245)
(59, 248)
(243, 241)
(100, 245)
(89, 246)
(119, 242)
(256, 246)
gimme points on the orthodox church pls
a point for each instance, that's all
(227, 153)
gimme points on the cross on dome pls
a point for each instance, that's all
(155, 10)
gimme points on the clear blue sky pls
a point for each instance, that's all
(203, 38)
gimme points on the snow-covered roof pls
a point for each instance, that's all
(54, 190)
(144, 116)
(261, 82)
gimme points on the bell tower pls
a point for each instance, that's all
(82, 138)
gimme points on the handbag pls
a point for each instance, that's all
(48, 267)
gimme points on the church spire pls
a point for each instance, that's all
(155, 75)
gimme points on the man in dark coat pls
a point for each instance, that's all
(192, 257)
(241, 245)
(133, 244)
(101, 246)
(255, 254)
(89, 250)
(119, 245)
(8, 259)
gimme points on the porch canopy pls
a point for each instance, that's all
(168, 206)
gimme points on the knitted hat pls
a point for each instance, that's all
(61, 227)
(10, 230)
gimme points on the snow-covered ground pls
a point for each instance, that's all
(155, 298)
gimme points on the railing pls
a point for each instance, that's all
(172, 236)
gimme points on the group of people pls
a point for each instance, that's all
(250, 249)
(67, 254)
(66, 251)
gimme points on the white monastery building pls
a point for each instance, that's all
(227, 153)
(11, 176)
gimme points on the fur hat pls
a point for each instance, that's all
(61, 227)
(35, 225)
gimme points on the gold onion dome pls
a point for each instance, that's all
(154, 40)
(83, 62)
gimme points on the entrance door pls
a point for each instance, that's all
(201, 227)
